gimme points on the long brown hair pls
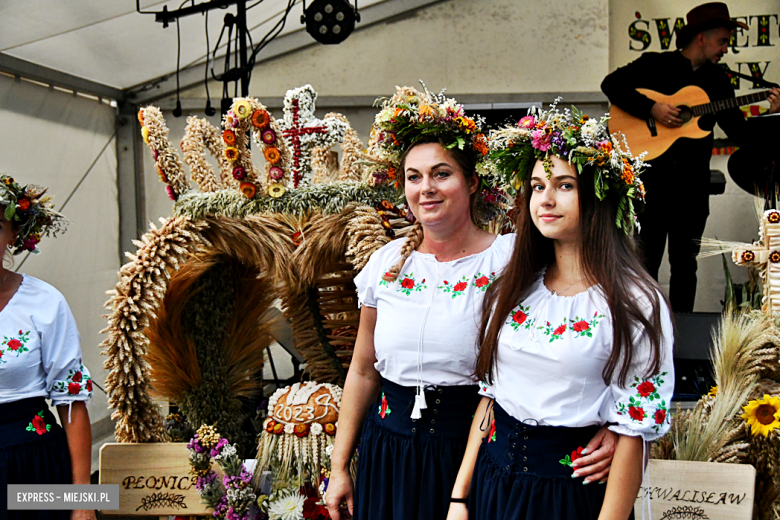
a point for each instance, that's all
(608, 257)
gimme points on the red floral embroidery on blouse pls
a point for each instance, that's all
(636, 413)
(560, 330)
(660, 416)
(481, 281)
(645, 388)
(580, 326)
(14, 344)
(460, 286)
(407, 283)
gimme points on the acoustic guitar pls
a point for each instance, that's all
(693, 103)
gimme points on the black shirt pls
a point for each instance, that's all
(668, 72)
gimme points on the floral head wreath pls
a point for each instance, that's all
(582, 141)
(410, 116)
(30, 211)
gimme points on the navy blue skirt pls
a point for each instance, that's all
(33, 450)
(407, 467)
(524, 473)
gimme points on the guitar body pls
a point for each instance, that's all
(638, 134)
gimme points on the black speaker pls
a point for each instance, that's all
(692, 347)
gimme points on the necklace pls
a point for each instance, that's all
(567, 288)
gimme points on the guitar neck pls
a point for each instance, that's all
(723, 104)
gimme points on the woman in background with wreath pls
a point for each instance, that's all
(40, 358)
(411, 376)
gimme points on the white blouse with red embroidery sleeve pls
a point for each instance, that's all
(429, 317)
(40, 350)
(551, 354)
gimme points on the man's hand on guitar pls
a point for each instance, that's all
(666, 115)
(774, 101)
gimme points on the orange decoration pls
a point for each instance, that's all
(301, 430)
(229, 136)
(272, 155)
(260, 119)
(161, 175)
(141, 117)
(24, 204)
(248, 190)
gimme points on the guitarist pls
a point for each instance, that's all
(677, 182)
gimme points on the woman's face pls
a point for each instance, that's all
(436, 188)
(555, 205)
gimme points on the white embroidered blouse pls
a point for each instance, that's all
(551, 353)
(428, 319)
(40, 352)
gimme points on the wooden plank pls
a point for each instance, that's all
(154, 479)
(699, 490)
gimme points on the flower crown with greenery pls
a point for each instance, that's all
(582, 141)
(410, 116)
(31, 212)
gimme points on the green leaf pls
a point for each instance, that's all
(10, 211)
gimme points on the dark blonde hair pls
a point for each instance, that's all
(467, 162)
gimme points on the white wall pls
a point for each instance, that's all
(468, 46)
(51, 138)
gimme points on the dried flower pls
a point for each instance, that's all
(260, 119)
(229, 136)
(269, 136)
(276, 173)
(248, 190)
(231, 154)
(272, 155)
(242, 109)
(239, 173)
(276, 190)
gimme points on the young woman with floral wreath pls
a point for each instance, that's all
(411, 375)
(40, 357)
(575, 334)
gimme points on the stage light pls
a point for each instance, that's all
(330, 21)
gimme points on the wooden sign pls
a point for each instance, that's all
(697, 490)
(154, 479)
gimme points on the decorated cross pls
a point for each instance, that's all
(765, 255)
(304, 132)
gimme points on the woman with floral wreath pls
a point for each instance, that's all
(40, 358)
(575, 334)
(411, 376)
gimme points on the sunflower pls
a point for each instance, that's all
(774, 257)
(774, 217)
(242, 109)
(276, 190)
(231, 154)
(229, 136)
(763, 415)
(260, 119)
(272, 154)
(713, 391)
(248, 190)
